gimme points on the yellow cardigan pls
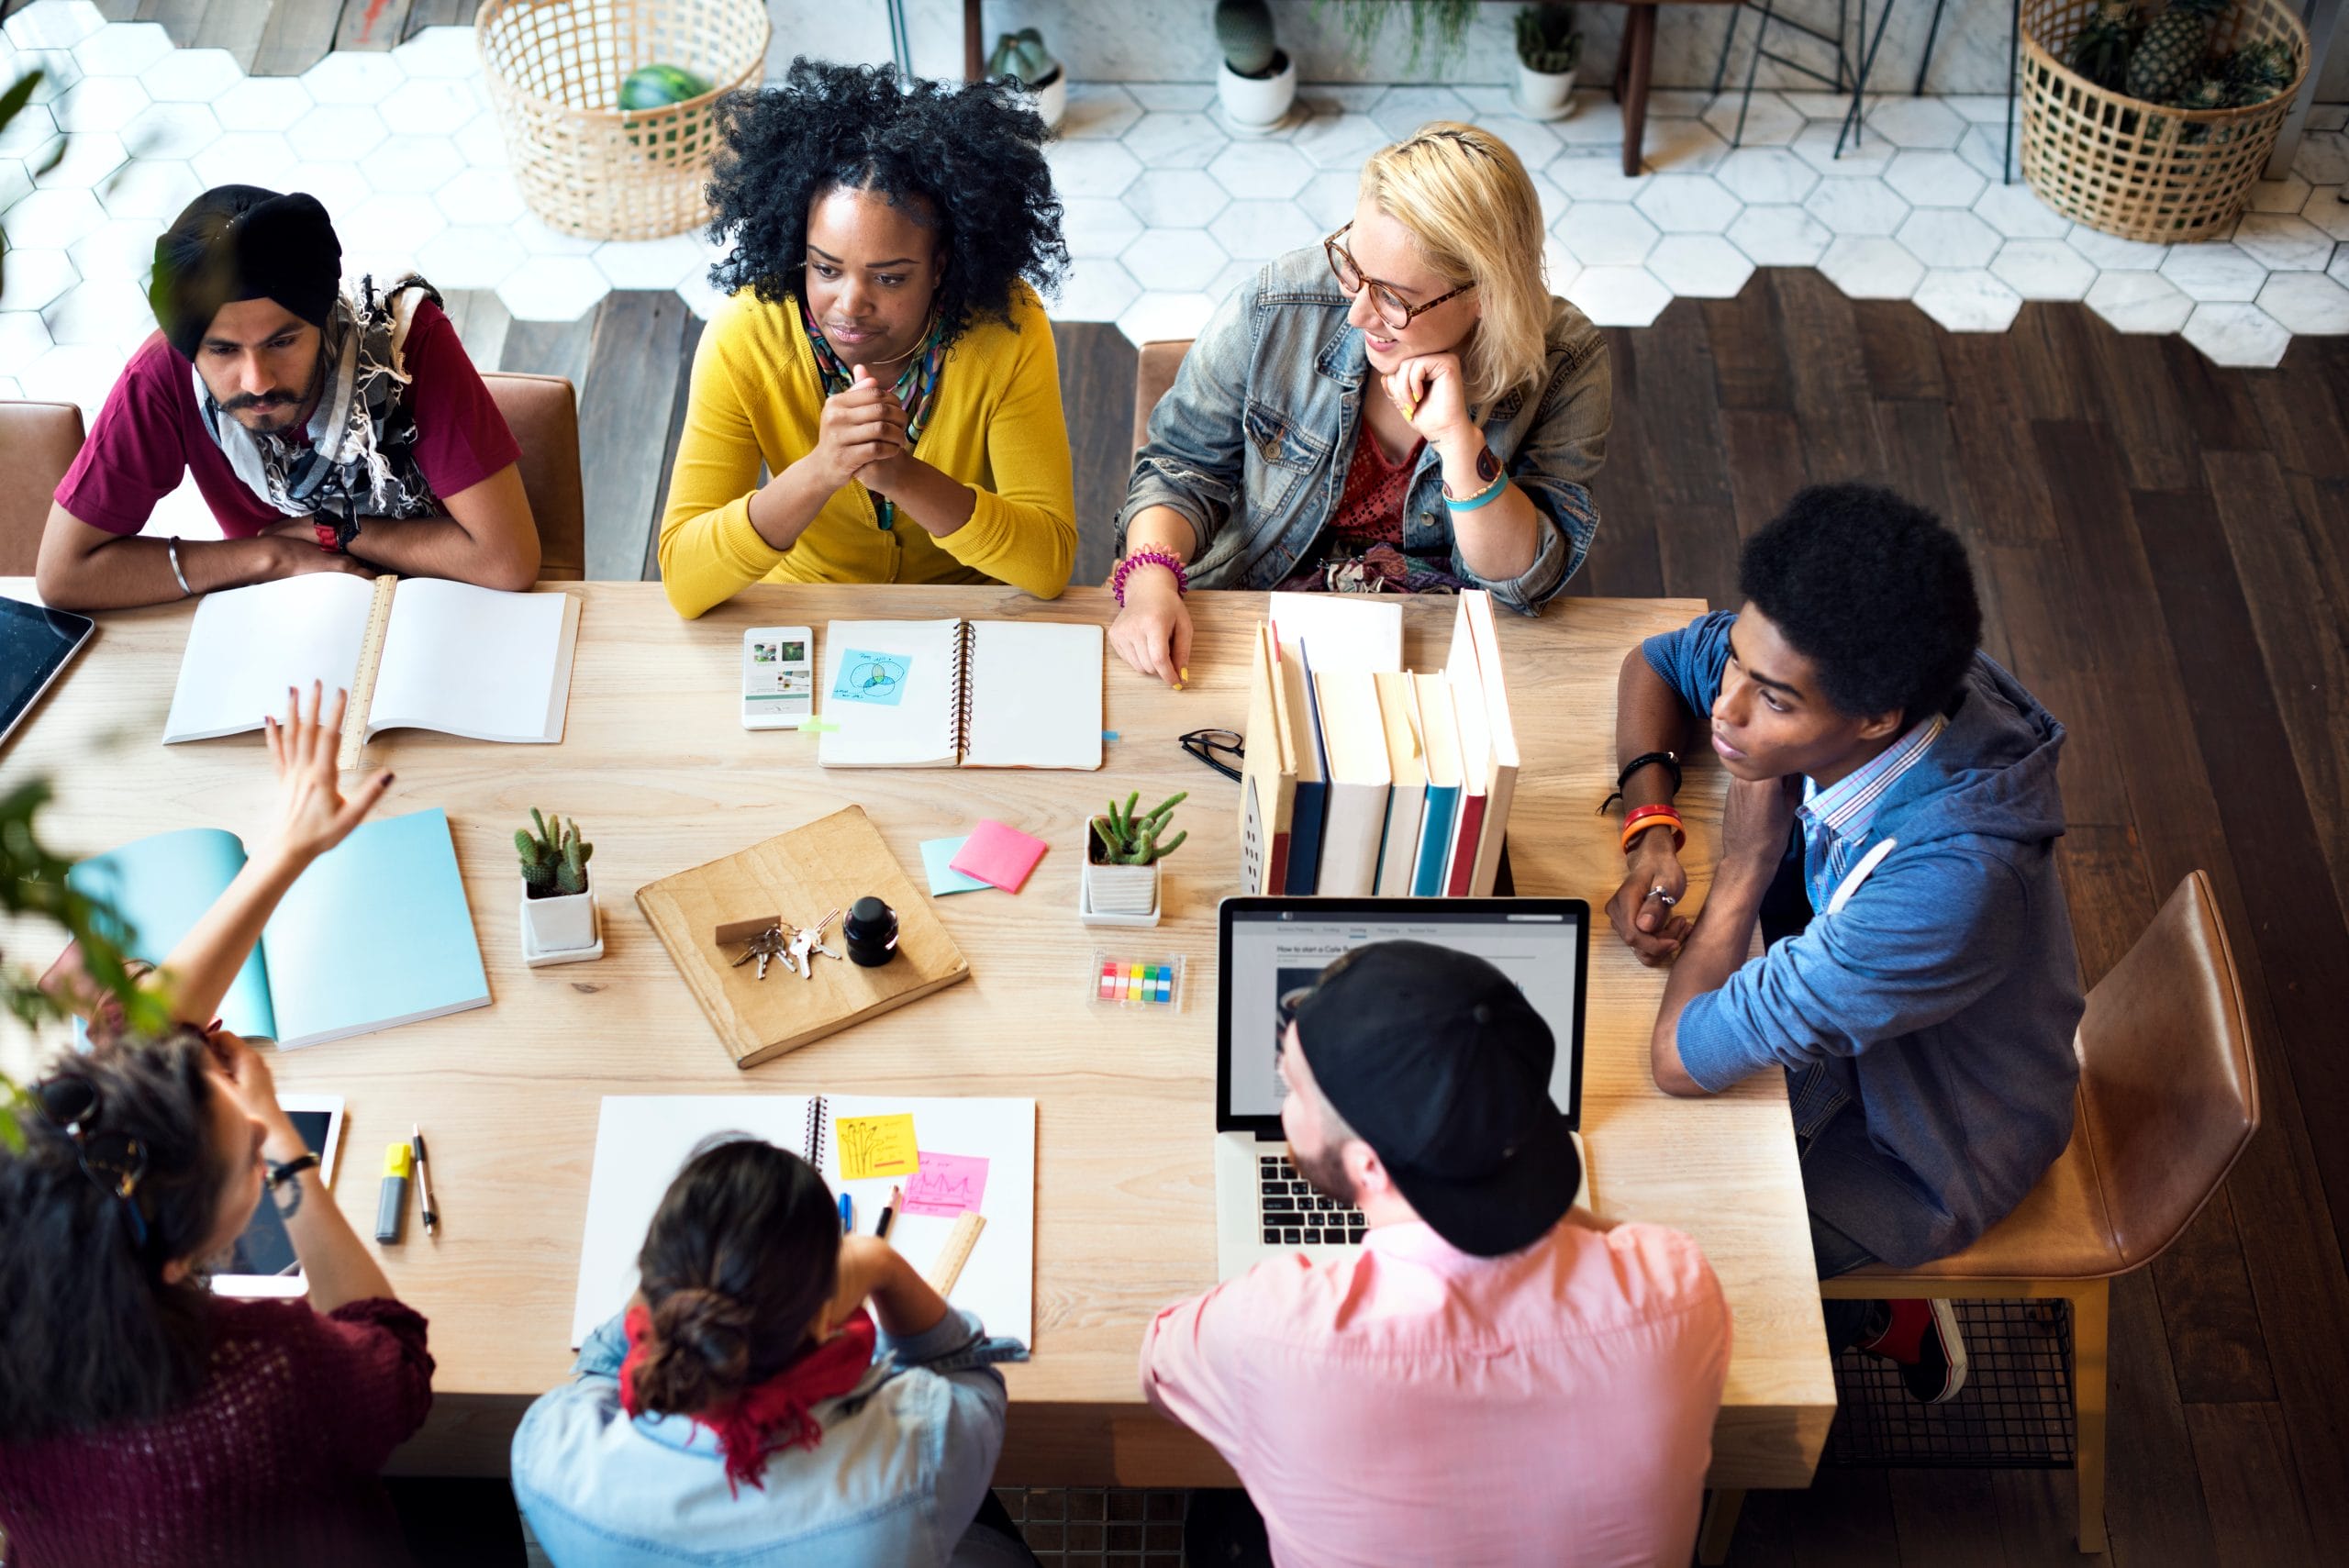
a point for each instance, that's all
(997, 426)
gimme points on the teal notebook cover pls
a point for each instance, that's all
(375, 934)
(1435, 840)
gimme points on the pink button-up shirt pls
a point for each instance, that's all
(1416, 1404)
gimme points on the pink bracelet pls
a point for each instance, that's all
(1148, 558)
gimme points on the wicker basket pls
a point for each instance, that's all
(2141, 171)
(584, 164)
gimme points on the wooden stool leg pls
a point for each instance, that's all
(1639, 46)
(2091, 1311)
(975, 57)
(1713, 1537)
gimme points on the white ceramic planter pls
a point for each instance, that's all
(1257, 106)
(1543, 96)
(1122, 892)
(1051, 98)
(563, 923)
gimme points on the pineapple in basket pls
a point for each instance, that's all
(2100, 53)
(2169, 58)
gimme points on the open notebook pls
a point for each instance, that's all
(374, 934)
(947, 1154)
(462, 660)
(968, 694)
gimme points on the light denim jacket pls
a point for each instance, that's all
(1251, 443)
(904, 1463)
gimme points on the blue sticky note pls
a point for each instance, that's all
(875, 678)
(943, 877)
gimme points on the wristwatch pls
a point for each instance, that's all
(335, 537)
(284, 1171)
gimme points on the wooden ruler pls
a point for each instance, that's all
(948, 1266)
(362, 681)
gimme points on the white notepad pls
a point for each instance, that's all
(465, 661)
(967, 694)
(641, 1141)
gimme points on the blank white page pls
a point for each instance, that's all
(899, 712)
(247, 645)
(1035, 695)
(473, 662)
(641, 1142)
(999, 1282)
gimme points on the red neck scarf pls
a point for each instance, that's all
(776, 1414)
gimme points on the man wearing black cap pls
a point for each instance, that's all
(1492, 1379)
(325, 433)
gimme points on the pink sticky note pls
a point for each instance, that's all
(946, 1185)
(998, 855)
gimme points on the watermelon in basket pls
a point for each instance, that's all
(657, 86)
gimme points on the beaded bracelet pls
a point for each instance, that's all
(1147, 558)
(1639, 819)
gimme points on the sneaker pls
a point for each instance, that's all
(1921, 1339)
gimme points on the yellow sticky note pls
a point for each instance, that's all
(875, 1145)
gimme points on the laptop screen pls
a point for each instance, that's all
(1272, 946)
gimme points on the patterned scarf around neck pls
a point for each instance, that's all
(777, 1414)
(916, 388)
(357, 452)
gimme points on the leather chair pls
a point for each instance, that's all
(2168, 1099)
(1153, 374)
(544, 413)
(38, 442)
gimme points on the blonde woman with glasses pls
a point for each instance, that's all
(1405, 407)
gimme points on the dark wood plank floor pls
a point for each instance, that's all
(2163, 549)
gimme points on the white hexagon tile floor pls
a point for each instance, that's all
(1167, 211)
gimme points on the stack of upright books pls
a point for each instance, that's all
(1361, 778)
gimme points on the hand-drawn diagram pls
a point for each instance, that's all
(875, 1146)
(947, 1184)
(868, 677)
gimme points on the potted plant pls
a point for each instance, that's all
(1121, 855)
(1022, 57)
(1258, 82)
(558, 895)
(1548, 49)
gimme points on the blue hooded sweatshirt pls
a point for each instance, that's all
(1944, 994)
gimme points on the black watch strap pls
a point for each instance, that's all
(284, 1171)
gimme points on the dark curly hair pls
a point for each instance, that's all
(1874, 591)
(94, 1335)
(742, 1253)
(974, 155)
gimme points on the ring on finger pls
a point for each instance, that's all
(1658, 893)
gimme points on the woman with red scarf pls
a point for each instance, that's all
(775, 1393)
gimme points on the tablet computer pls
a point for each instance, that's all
(263, 1262)
(35, 644)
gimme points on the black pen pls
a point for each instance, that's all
(423, 1180)
(897, 1196)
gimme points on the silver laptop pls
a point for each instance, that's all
(1268, 947)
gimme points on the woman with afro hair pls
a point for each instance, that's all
(884, 356)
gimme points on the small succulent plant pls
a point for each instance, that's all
(1127, 839)
(555, 863)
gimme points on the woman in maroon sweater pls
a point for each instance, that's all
(143, 1419)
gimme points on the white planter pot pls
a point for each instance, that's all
(1257, 106)
(1543, 96)
(1126, 892)
(563, 923)
(1051, 98)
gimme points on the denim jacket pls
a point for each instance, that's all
(903, 1465)
(1251, 443)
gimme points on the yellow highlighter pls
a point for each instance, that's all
(391, 1205)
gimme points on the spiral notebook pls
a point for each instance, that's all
(928, 1147)
(961, 694)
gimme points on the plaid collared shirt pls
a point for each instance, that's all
(1835, 823)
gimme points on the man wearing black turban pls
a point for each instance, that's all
(326, 432)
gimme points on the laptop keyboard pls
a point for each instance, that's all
(1297, 1216)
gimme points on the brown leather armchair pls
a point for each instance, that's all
(1153, 374)
(2168, 1099)
(544, 413)
(38, 442)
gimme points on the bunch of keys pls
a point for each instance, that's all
(797, 951)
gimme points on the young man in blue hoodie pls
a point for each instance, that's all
(1891, 823)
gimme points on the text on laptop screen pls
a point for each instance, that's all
(1274, 954)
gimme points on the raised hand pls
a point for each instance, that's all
(314, 815)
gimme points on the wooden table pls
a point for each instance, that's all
(656, 768)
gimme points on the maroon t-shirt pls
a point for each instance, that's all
(152, 432)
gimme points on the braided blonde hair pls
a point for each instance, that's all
(1468, 202)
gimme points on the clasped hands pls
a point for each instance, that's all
(861, 435)
(1756, 819)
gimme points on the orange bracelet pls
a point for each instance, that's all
(1642, 818)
